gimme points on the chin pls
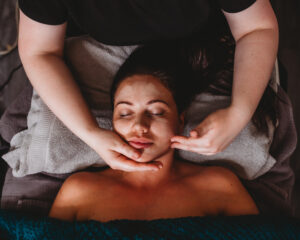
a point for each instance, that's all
(150, 156)
(147, 158)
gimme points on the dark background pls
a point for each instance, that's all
(288, 15)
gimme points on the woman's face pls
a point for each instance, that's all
(145, 115)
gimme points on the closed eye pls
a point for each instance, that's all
(125, 114)
(157, 113)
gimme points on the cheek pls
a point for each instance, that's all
(121, 127)
(165, 130)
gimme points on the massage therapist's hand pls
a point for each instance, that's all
(117, 153)
(214, 133)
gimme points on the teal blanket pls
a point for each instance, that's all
(16, 226)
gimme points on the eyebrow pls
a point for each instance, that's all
(148, 103)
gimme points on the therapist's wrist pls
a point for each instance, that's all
(243, 113)
(88, 129)
(92, 135)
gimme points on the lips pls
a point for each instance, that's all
(140, 143)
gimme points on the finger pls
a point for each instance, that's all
(129, 165)
(201, 130)
(183, 139)
(203, 143)
(193, 142)
(194, 134)
(179, 139)
(128, 151)
(184, 147)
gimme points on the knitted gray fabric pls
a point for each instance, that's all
(248, 155)
(49, 146)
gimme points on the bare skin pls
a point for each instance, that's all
(255, 31)
(144, 110)
(256, 34)
(190, 190)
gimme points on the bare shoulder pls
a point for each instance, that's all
(219, 178)
(68, 199)
(233, 197)
(212, 176)
(84, 182)
(78, 190)
(203, 177)
(75, 188)
(224, 189)
(78, 182)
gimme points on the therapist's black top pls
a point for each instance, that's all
(126, 22)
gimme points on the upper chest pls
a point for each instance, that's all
(173, 202)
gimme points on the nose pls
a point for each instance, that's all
(141, 125)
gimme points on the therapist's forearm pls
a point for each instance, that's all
(53, 81)
(255, 56)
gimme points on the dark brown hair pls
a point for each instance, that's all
(162, 62)
(192, 66)
(212, 64)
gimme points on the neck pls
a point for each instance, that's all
(152, 179)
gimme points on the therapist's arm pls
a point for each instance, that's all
(255, 31)
(41, 52)
(256, 34)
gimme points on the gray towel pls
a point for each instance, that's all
(47, 145)
(248, 155)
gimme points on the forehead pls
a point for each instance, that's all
(142, 87)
